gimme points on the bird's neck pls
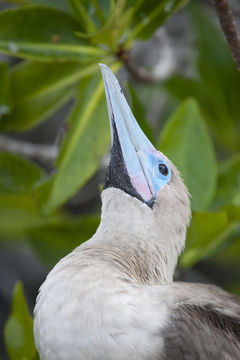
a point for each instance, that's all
(131, 237)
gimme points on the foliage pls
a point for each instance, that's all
(60, 43)
(18, 332)
(184, 132)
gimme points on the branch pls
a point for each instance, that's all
(229, 28)
(140, 73)
(40, 152)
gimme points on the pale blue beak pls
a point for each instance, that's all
(139, 155)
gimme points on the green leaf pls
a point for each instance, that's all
(40, 89)
(42, 191)
(43, 34)
(233, 212)
(99, 10)
(80, 11)
(85, 144)
(204, 235)
(17, 174)
(139, 113)
(18, 331)
(55, 240)
(228, 185)
(91, 14)
(5, 99)
(150, 15)
(185, 140)
(230, 256)
(181, 87)
(116, 25)
(58, 4)
(211, 234)
(18, 212)
(216, 94)
(220, 80)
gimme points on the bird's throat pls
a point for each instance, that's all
(130, 241)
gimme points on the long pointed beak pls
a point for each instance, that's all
(135, 148)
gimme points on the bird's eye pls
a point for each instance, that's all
(163, 169)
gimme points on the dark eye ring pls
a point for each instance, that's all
(163, 169)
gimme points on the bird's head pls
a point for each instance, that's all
(143, 175)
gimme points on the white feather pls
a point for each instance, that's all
(107, 300)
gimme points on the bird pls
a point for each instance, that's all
(113, 297)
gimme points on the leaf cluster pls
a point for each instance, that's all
(60, 43)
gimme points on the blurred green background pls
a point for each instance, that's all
(55, 134)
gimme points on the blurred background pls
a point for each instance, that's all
(179, 77)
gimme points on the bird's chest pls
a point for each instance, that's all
(94, 316)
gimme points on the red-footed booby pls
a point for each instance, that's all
(113, 297)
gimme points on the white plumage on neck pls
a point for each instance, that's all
(101, 302)
(148, 239)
